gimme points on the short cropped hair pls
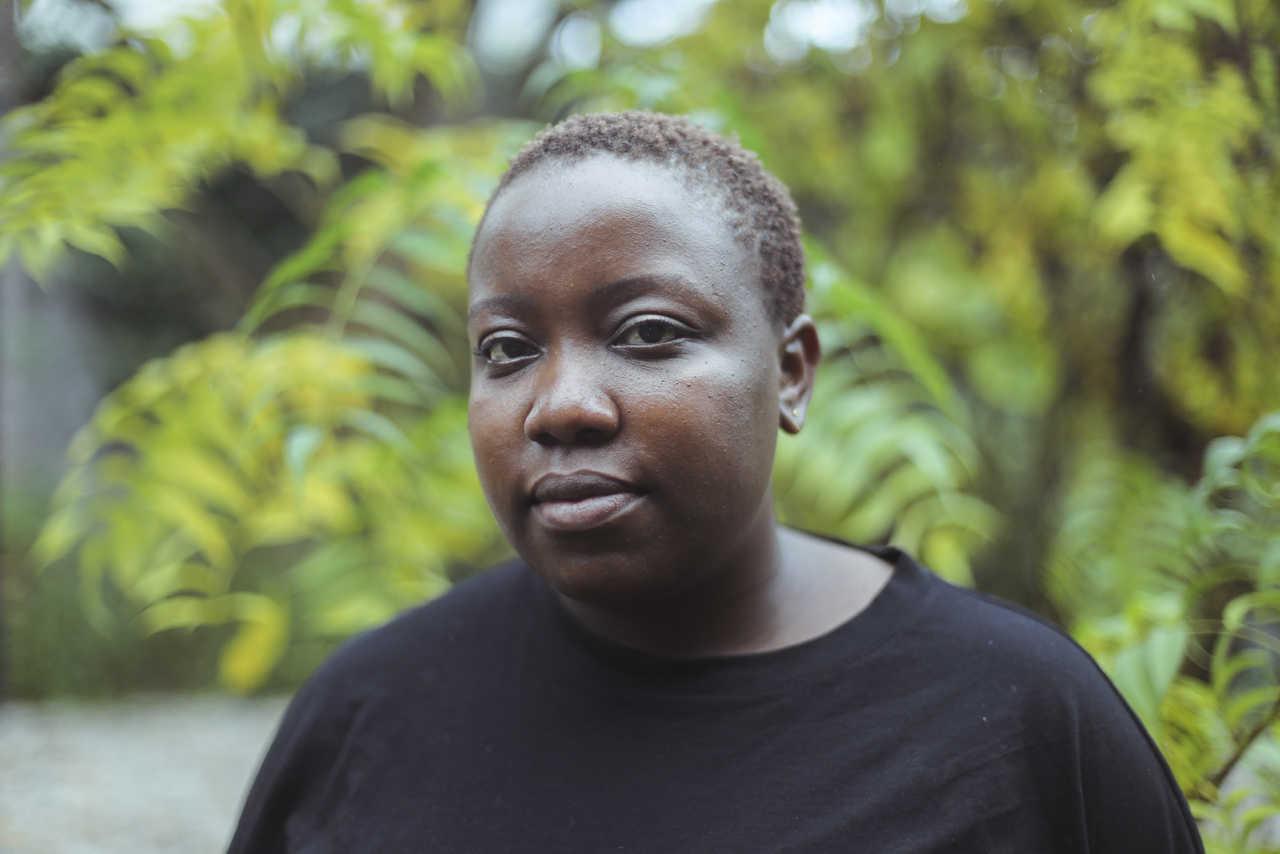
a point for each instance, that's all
(758, 206)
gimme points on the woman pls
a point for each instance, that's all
(666, 669)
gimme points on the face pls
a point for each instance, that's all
(628, 382)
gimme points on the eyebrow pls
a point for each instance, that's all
(607, 295)
(624, 289)
(503, 303)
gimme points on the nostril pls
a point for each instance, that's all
(572, 419)
(592, 436)
(589, 436)
(545, 439)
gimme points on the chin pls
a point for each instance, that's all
(617, 580)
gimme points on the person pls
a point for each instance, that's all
(664, 668)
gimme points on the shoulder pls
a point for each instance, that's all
(1003, 643)
(466, 622)
(371, 678)
(1041, 697)
(418, 647)
(368, 682)
(1018, 693)
(1005, 664)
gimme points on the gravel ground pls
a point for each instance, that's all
(151, 774)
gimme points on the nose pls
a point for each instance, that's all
(571, 404)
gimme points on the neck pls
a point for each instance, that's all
(734, 609)
(777, 589)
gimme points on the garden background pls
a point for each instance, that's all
(1044, 246)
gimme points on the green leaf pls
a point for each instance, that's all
(1126, 210)
(416, 297)
(395, 358)
(1144, 672)
(1203, 251)
(257, 645)
(1179, 14)
(397, 325)
(299, 446)
(60, 533)
(1247, 707)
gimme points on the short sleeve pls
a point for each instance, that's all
(1132, 802)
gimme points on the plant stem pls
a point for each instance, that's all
(1243, 746)
(344, 302)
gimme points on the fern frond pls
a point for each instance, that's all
(209, 461)
(385, 271)
(886, 452)
(1136, 554)
(130, 132)
(1122, 531)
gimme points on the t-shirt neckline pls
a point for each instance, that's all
(892, 610)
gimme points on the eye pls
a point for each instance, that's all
(650, 332)
(506, 349)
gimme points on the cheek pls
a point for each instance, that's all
(718, 422)
(488, 422)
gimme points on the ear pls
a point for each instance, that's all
(798, 354)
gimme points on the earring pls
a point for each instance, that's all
(795, 413)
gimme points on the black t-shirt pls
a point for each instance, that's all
(935, 720)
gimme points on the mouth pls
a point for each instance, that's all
(582, 500)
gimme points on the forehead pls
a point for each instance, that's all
(604, 219)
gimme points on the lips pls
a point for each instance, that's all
(582, 500)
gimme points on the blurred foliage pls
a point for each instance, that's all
(1176, 590)
(884, 415)
(1044, 261)
(131, 129)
